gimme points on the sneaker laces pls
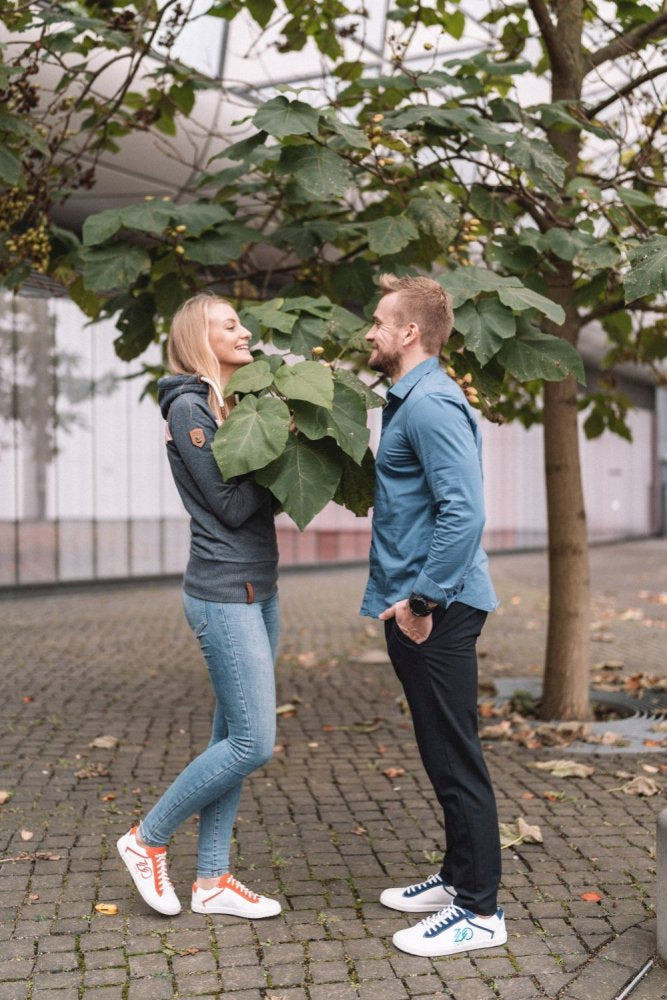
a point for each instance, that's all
(242, 889)
(432, 882)
(161, 874)
(443, 918)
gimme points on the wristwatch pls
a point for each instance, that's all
(420, 606)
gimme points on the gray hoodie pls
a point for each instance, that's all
(233, 550)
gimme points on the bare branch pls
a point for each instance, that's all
(625, 44)
(547, 28)
(624, 91)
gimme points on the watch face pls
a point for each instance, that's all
(418, 605)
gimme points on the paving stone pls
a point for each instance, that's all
(295, 831)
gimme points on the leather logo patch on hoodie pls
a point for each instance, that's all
(198, 437)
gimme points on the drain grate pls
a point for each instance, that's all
(636, 726)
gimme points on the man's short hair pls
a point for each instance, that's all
(424, 302)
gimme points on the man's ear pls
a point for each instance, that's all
(412, 333)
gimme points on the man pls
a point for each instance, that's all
(430, 585)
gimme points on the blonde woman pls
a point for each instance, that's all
(231, 603)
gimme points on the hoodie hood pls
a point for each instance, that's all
(171, 386)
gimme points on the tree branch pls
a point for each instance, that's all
(624, 91)
(624, 44)
(547, 28)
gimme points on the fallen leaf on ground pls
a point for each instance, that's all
(530, 833)
(590, 897)
(499, 731)
(104, 743)
(27, 698)
(527, 795)
(641, 785)
(515, 833)
(622, 774)
(5, 796)
(192, 950)
(394, 772)
(288, 709)
(27, 834)
(306, 659)
(660, 727)
(608, 739)
(93, 771)
(109, 797)
(487, 709)
(608, 665)
(33, 897)
(108, 909)
(313, 745)
(653, 743)
(279, 747)
(359, 831)
(565, 768)
(650, 769)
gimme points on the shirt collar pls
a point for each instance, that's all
(410, 379)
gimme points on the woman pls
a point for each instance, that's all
(231, 603)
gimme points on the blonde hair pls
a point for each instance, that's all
(424, 302)
(188, 349)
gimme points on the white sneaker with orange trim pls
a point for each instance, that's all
(231, 896)
(148, 868)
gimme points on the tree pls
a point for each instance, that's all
(540, 217)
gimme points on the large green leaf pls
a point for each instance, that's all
(113, 267)
(251, 378)
(485, 327)
(539, 161)
(519, 297)
(345, 422)
(319, 172)
(199, 216)
(567, 243)
(304, 478)
(254, 434)
(467, 282)
(10, 166)
(356, 487)
(648, 269)
(307, 380)
(271, 315)
(599, 256)
(390, 234)
(536, 355)
(370, 398)
(218, 248)
(436, 217)
(280, 117)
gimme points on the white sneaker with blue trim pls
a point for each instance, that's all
(423, 897)
(451, 931)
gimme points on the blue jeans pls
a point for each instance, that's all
(239, 642)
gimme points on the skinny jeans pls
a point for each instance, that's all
(239, 643)
(439, 677)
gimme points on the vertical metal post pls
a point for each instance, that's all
(661, 883)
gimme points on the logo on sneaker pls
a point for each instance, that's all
(144, 868)
(462, 934)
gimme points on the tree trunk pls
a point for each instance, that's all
(565, 691)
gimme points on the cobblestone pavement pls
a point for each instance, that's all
(322, 826)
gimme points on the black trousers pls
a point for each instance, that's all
(439, 678)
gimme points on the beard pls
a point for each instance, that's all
(387, 362)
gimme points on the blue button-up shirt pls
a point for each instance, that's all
(429, 502)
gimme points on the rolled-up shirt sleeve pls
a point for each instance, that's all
(441, 435)
(232, 501)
